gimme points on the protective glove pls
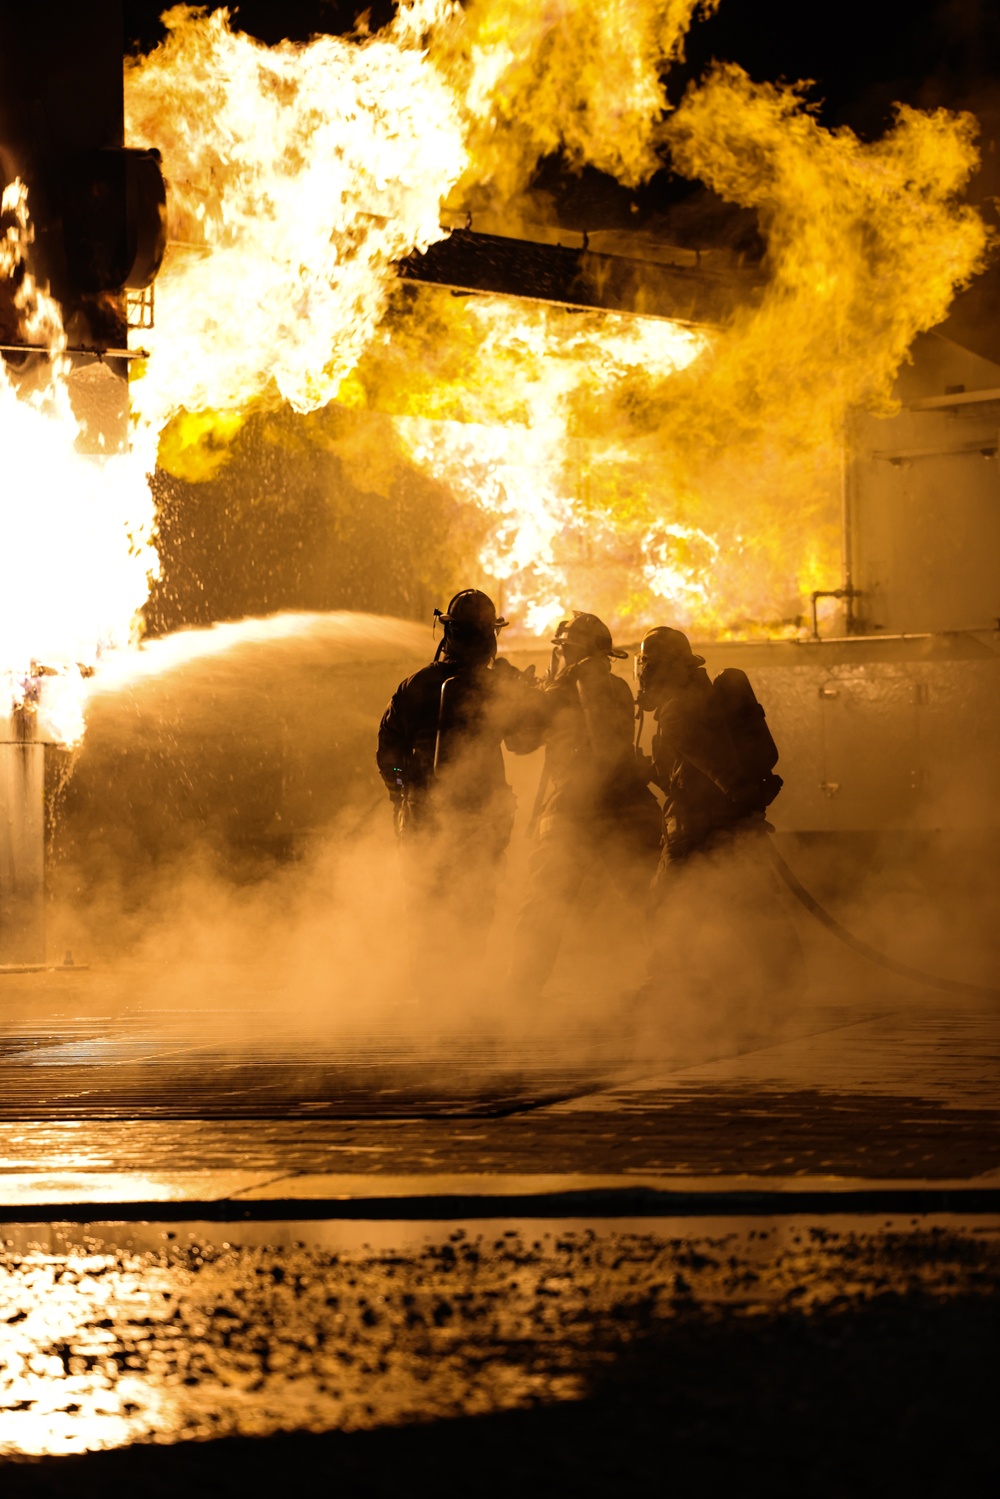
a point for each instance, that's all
(508, 672)
(645, 767)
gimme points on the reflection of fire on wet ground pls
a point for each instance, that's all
(193, 1339)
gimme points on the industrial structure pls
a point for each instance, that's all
(886, 720)
(97, 219)
(889, 720)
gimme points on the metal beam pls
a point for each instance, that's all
(468, 261)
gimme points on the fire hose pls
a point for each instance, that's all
(863, 949)
(903, 970)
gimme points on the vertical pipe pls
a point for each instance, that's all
(847, 527)
(22, 839)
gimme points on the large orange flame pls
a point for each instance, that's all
(638, 468)
(533, 77)
(633, 467)
(297, 177)
(501, 382)
(75, 527)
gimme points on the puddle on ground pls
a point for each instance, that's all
(112, 1334)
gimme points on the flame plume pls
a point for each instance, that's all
(636, 468)
(75, 528)
(297, 176)
(501, 381)
(866, 247)
(534, 77)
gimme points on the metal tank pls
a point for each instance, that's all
(22, 840)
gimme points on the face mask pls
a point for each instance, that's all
(642, 671)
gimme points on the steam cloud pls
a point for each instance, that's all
(225, 844)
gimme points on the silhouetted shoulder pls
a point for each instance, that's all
(427, 677)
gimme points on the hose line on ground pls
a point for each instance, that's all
(812, 905)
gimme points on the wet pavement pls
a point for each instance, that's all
(825, 1357)
(604, 1273)
(96, 1108)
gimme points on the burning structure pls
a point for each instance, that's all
(723, 438)
(83, 231)
(651, 430)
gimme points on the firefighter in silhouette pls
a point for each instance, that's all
(713, 757)
(439, 756)
(594, 811)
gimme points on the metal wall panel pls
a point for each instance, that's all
(869, 744)
(924, 498)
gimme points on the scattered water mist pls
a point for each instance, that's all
(223, 843)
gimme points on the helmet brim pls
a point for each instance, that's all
(615, 653)
(576, 631)
(449, 619)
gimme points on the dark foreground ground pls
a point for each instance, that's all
(799, 1358)
(235, 1262)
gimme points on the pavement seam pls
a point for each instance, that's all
(259, 1186)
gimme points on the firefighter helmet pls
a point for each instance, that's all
(666, 647)
(471, 626)
(471, 607)
(587, 636)
(664, 656)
